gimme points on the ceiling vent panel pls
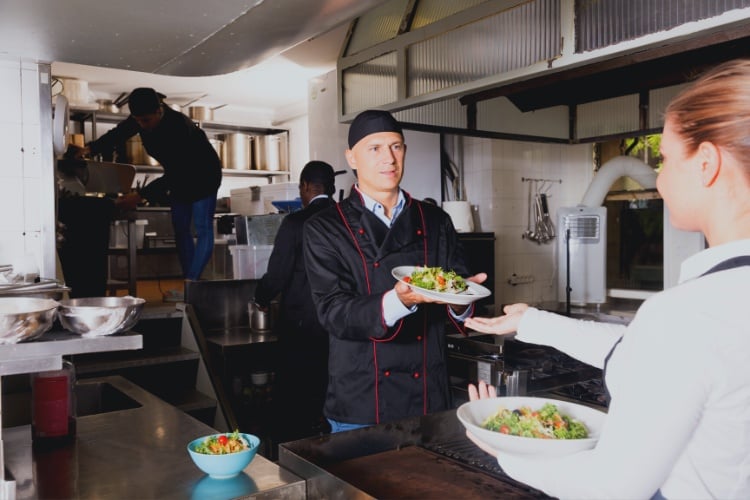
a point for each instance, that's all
(430, 11)
(600, 23)
(501, 116)
(376, 26)
(512, 39)
(370, 84)
(449, 114)
(608, 117)
(658, 100)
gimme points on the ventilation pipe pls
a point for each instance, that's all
(620, 166)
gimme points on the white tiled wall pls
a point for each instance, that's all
(493, 172)
(26, 190)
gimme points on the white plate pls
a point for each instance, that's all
(473, 413)
(473, 293)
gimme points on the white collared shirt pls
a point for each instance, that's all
(679, 420)
(379, 210)
(393, 308)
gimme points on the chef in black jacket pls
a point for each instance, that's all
(386, 342)
(302, 375)
(192, 171)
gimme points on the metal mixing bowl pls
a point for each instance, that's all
(97, 316)
(24, 318)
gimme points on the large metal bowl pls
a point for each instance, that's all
(97, 316)
(24, 318)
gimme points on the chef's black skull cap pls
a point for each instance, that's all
(318, 172)
(143, 101)
(372, 121)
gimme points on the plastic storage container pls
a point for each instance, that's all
(278, 192)
(250, 261)
(53, 418)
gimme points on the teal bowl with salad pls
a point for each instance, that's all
(224, 455)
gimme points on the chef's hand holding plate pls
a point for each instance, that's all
(499, 325)
(410, 298)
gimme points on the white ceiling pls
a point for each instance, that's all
(246, 53)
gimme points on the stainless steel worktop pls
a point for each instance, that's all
(418, 457)
(45, 353)
(135, 453)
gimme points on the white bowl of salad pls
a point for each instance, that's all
(532, 426)
(225, 455)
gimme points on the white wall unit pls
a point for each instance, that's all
(27, 198)
(327, 136)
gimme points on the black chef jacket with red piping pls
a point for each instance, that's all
(376, 373)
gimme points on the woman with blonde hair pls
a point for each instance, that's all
(678, 424)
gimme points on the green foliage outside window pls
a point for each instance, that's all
(645, 147)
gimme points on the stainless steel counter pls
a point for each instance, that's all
(238, 336)
(135, 453)
(418, 457)
(45, 353)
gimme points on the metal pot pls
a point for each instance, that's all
(201, 113)
(236, 151)
(136, 154)
(260, 321)
(218, 146)
(267, 154)
(107, 105)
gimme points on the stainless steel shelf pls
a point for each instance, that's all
(78, 114)
(228, 172)
(45, 353)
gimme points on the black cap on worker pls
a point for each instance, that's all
(143, 101)
(319, 172)
(372, 121)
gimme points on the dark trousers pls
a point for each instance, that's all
(83, 251)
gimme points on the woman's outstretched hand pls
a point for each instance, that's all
(499, 325)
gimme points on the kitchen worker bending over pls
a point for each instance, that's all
(678, 424)
(386, 342)
(192, 171)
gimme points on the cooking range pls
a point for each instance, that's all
(518, 369)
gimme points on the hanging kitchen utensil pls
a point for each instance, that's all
(549, 227)
(529, 234)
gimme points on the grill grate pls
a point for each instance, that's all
(467, 453)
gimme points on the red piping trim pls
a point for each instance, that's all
(459, 326)
(356, 244)
(385, 327)
(424, 365)
(424, 324)
(377, 385)
(424, 232)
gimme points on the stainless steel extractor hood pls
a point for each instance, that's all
(489, 67)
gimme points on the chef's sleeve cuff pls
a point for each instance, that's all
(394, 309)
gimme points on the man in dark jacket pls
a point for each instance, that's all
(386, 342)
(302, 375)
(192, 171)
